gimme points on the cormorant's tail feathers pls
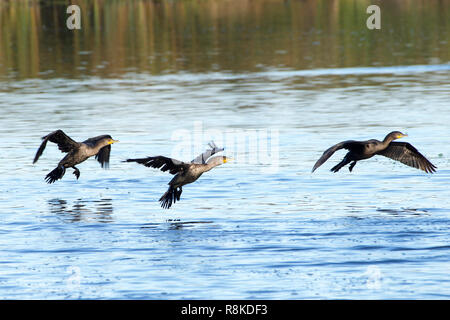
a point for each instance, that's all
(55, 174)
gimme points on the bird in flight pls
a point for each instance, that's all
(77, 152)
(184, 172)
(361, 150)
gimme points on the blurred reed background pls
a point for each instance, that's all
(159, 37)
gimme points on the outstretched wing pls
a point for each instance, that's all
(103, 156)
(407, 154)
(64, 142)
(162, 163)
(201, 159)
(330, 151)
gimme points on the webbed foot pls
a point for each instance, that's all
(76, 172)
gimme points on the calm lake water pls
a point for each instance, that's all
(276, 83)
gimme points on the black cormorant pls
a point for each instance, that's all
(185, 173)
(361, 150)
(77, 152)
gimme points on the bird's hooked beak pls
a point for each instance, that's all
(401, 135)
(225, 160)
(112, 141)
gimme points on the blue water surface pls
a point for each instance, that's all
(254, 228)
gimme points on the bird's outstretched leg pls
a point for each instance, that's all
(178, 194)
(76, 172)
(350, 168)
(344, 162)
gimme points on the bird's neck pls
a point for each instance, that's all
(388, 139)
(209, 166)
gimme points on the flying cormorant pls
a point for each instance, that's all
(77, 152)
(361, 150)
(185, 173)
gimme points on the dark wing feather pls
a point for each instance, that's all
(40, 150)
(201, 159)
(64, 142)
(407, 154)
(330, 151)
(162, 163)
(103, 156)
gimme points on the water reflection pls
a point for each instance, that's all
(175, 224)
(404, 211)
(82, 210)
